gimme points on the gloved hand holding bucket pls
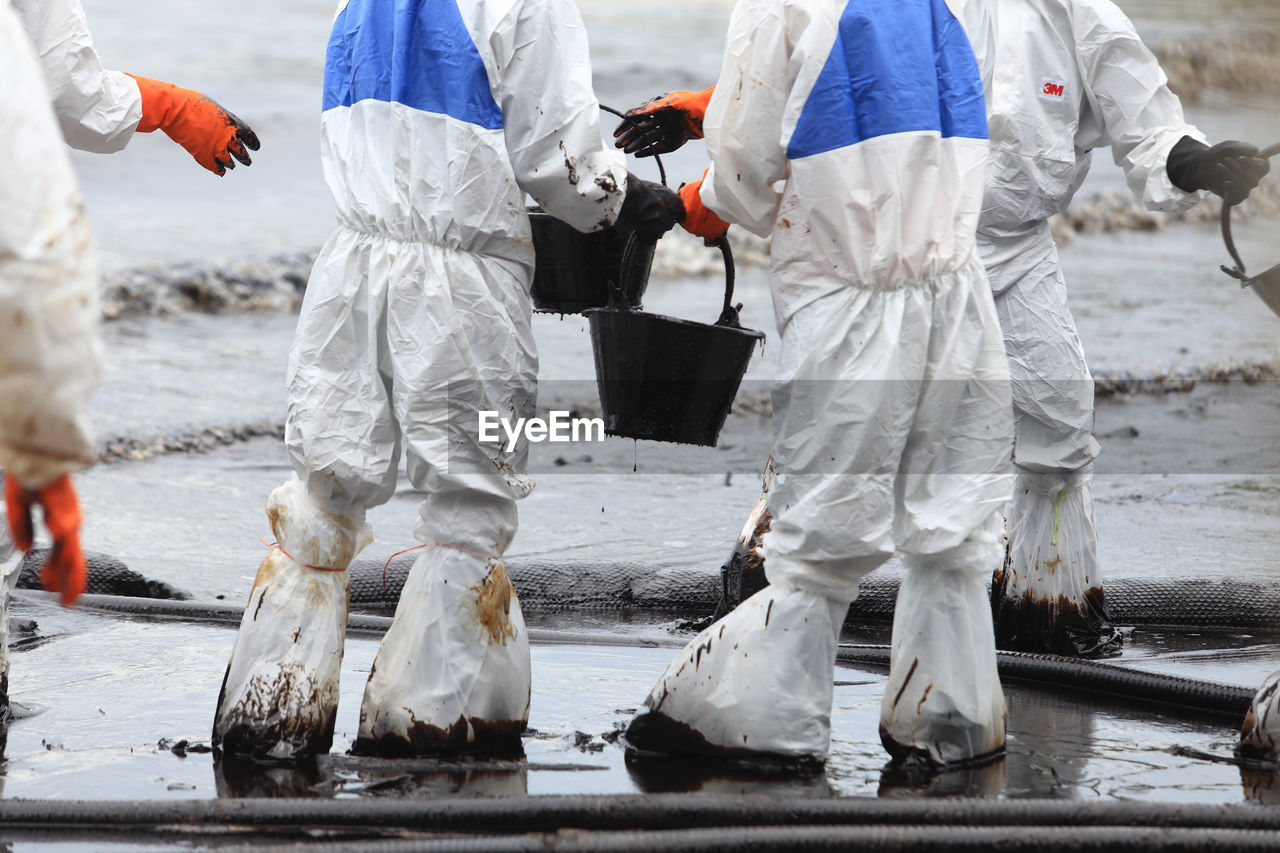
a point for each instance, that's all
(578, 270)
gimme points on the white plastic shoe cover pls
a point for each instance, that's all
(453, 673)
(943, 702)
(1049, 597)
(280, 693)
(756, 683)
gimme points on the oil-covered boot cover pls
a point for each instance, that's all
(10, 565)
(943, 704)
(1048, 596)
(452, 673)
(756, 684)
(280, 693)
(742, 575)
(1260, 732)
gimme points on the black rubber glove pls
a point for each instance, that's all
(1229, 169)
(649, 209)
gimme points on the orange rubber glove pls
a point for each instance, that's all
(197, 123)
(65, 571)
(663, 124)
(698, 220)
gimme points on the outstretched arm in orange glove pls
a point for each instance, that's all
(698, 220)
(65, 571)
(197, 123)
(663, 124)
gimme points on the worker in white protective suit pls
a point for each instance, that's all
(853, 132)
(1062, 77)
(100, 110)
(439, 116)
(49, 348)
(1065, 77)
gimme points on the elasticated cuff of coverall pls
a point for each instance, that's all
(837, 582)
(1160, 192)
(1054, 483)
(314, 536)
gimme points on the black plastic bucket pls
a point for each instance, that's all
(665, 379)
(576, 271)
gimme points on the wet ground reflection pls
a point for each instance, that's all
(108, 702)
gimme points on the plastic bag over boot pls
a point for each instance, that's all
(280, 694)
(453, 672)
(756, 685)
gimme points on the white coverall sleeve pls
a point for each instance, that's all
(49, 351)
(1130, 105)
(97, 109)
(743, 124)
(550, 115)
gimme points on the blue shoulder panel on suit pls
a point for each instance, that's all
(414, 52)
(895, 67)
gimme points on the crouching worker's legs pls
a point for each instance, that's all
(280, 693)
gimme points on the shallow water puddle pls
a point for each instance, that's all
(115, 699)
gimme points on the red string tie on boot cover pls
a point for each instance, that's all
(432, 545)
(304, 565)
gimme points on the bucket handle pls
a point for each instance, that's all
(662, 172)
(728, 314)
(628, 271)
(1237, 272)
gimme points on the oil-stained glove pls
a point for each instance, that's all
(649, 209)
(196, 122)
(65, 571)
(698, 220)
(663, 124)
(1229, 169)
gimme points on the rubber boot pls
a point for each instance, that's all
(279, 696)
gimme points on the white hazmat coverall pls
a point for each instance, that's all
(439, 115)
(98, 109)
(49, 348)
(854, 132)
(1063, 77)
